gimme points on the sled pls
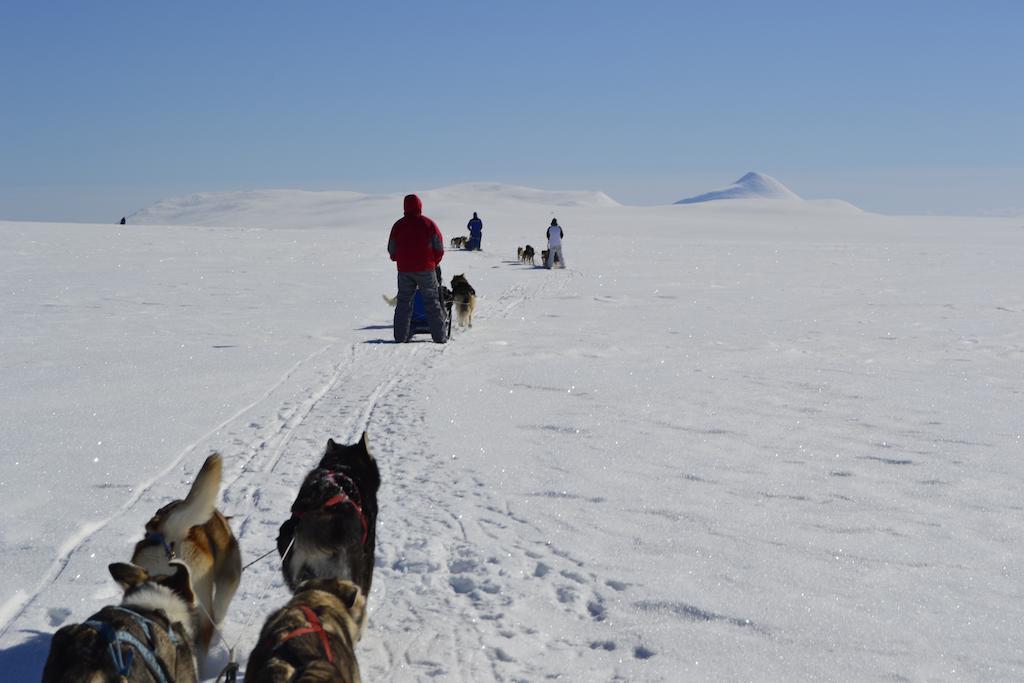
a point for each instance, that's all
(419, 324)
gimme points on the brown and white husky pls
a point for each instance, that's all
(465, 300)
(195, 532)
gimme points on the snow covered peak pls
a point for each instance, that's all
(753, 185)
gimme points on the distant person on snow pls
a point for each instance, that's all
(555, 236)
(417, 247)
(123, 221)
(476, 233)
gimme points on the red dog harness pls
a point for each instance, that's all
(314, 627)
(343, 496)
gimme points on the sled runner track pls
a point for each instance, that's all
(450, 550)
(518, 293)
(287, 430)
(88, 530)
(382, 390)
(259, 502)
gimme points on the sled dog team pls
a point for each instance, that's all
(187, 567)
(416, 246)
(550, 256)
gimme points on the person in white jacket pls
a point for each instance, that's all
(555, 236)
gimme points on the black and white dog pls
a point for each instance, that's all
(148, 637)
(333, 528)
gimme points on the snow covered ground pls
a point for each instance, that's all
(736, 440)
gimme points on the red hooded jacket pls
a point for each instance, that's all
(415, 243)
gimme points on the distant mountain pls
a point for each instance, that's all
(751, 186)
(300, 208)
(501, 192)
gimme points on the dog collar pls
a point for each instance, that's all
(158, 537)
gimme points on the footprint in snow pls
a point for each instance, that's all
(462, 584)
(57, 615)
(641, 652)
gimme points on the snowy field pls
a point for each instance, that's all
(735, 440)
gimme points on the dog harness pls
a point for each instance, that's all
(314, 627)
(346, 494)
(158, 537)
(114, 637)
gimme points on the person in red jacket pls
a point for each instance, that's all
(417, 247)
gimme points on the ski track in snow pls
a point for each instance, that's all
(86, 531)
(432, 557)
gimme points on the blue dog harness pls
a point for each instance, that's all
(123, 658)
(158, 537)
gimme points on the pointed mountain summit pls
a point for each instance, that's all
(751, 186)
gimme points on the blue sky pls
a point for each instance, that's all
(898, 106)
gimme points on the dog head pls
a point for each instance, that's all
(459, 280)
(354, 458)
(133, 578)
(172, 593)
(350, 601)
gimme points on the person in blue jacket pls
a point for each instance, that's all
(476, 233)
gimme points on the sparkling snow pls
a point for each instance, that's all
(734, 440)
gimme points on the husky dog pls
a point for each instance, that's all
(312, 638)
(194, 531)
(519, 254)
(333, 528)
(147, 638)
(459, 242)
(465, 300)
(528, 255)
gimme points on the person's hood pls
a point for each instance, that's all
(413, 205)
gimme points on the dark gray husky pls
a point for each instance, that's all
(332, 530)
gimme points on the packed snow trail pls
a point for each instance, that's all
(270, 445)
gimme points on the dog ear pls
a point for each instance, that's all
(180, 581)
(331, 444)
(355, 603)
(127, 575)
(348, 593)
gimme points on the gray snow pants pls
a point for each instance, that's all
(426, 282)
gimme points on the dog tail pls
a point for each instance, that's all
(391, 300)
(199, 504)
